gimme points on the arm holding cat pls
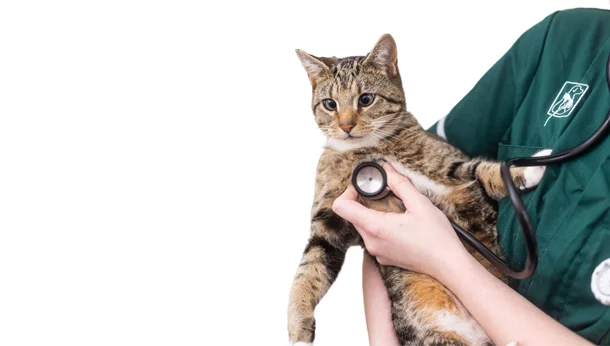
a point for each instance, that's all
(377, 305)
(397, 240)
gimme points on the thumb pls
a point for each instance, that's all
(402, 187)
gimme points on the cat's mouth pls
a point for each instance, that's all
(350, 137)
(355, 134)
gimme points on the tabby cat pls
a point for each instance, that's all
(359, 104)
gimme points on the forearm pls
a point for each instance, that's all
(504, 314)
(422, 240)
(377, 306)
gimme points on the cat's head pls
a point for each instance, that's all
(357, 101)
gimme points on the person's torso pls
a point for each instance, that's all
(568, 99)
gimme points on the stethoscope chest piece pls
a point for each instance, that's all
(370, 180)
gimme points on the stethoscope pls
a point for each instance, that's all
(370, 180)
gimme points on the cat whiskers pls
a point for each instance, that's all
(379, 135)
(383, 129)
(387, 134)
(383, 119)
(325, 129)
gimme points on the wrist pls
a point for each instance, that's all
(454, 267)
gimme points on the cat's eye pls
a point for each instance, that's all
(329, 104)
(366, 100)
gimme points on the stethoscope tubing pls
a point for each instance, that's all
(528, 230)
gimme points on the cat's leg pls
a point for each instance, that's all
(321, 262)
(425, 313)
(488, 174)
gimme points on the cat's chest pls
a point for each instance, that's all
(422, 182)
(337, 168)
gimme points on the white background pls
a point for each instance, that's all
(157, 158)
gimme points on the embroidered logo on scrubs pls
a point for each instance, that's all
(567, 99)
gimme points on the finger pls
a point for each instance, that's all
(360, 216)
(366, 221)
(366, 238)
(382, 260)
(402, 187)
(350, 194)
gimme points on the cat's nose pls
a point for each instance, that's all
(347, 128)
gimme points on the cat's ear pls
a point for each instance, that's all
(384, 55)
(316, 69)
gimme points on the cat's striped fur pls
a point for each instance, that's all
(424, 312)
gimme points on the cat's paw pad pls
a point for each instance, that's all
(533, 175)
(302, 344)
(514, 343)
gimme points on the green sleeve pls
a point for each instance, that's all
(479, 121)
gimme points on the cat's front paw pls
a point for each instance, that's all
(301, 331)
(533, 175)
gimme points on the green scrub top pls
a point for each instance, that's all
(549, 91)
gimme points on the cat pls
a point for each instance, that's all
(359, 104)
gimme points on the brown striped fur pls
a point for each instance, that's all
(424, 312)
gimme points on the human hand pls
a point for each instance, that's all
(420, 239)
